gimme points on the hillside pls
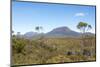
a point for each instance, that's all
(59, 32)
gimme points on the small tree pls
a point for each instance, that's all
(38, 28)
(41, 38)
(84, 27)
(89, 27)
(18, 33)
(12, 33)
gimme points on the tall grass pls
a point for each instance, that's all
(52, 50)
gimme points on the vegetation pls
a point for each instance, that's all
(84, 27)
(51, 50)
(54, 50)
(39, 28)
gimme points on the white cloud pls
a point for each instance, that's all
(80, 14)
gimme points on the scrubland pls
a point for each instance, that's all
(52, 50)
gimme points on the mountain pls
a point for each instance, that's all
(62, 32)
(30, 34)
(90, 34)
(33, 35)
(59, 32)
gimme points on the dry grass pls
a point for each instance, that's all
(53, 50)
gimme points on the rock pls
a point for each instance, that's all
(86, 52)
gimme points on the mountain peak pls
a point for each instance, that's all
(60, 29)
(63, 32)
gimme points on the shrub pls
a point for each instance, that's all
(18, 45)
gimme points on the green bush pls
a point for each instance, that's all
(18, 45)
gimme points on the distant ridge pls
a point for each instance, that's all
(30, 34)
(59, 32)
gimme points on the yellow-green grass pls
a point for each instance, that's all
(51, 50)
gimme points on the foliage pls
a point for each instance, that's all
(83, 26)
(51, 50)
(38, 28)
(18, 45)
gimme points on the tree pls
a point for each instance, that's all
(84, 27)
(12, 32)
(38, 28)
(89, 27)
(18, 33)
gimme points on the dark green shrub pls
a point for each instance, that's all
(18, 45)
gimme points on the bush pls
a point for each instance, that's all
(18, 45)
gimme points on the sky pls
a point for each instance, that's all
(27, 15)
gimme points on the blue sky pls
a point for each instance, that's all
(27, 15)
